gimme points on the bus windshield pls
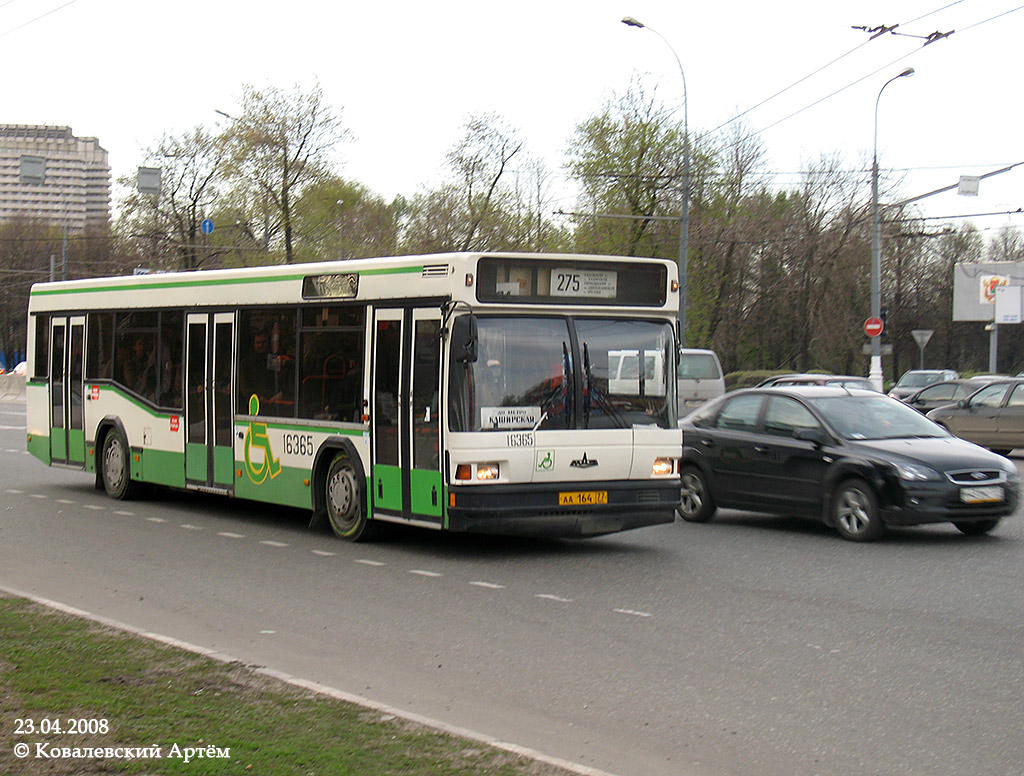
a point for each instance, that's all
(557, 373)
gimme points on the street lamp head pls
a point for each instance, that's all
(631, 22)
(908, 72)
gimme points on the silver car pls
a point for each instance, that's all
(992, 417)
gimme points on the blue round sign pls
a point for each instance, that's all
(207, 226)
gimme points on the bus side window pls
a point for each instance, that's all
(267, 365)
(41, 366)
(98, 358)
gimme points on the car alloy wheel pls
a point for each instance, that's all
(855, 512)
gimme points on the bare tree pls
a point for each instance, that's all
(166, 227)
(281, 143)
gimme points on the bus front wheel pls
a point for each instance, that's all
(344, 500)
(117, 479)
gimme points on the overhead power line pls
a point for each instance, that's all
(876, 31)
(36, 19)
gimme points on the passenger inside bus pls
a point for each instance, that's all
(139, 366)
(262, 373)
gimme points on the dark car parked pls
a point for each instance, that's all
(992, 417)
(946, 392)
(858, 460)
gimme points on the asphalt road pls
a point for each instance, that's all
(750, 645)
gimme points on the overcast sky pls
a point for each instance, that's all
(406, 74)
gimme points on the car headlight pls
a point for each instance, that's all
(915, 472)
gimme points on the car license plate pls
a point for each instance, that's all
(583, 498)
(980, 495)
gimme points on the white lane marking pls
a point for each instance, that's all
(549, 597)
(274, 544)
(124, 512)
(366, 562)
(190, 527)
(488, 585)
(36, 495)
(230, 535)
(14, 492)
(423, 573)
(632, 612)
(323, 553)
(156, 520)
(65, 501)
(96, 507)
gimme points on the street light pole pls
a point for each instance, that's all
(684, 218)
(875, 373)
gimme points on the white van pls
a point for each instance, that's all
(624, 372)
(699, 378)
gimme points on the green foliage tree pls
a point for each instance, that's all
(627, 160)
(339, 219)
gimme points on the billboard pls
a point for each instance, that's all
(975, 288)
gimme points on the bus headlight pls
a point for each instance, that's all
(480, 471)
(487, 471)
(663, 467)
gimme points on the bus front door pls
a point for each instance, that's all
(405, 482)
(209, 457)
(67, 391)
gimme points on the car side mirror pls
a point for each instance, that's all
(815, 435)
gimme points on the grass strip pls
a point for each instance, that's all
(56, 669)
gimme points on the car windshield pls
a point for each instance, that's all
(860, 418)
(697, 366)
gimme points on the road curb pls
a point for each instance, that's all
(333, 692)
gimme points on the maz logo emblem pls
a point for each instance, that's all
(584, 462)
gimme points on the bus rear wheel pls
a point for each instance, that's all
(117, 478)
(343, 495)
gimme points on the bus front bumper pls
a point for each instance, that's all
(562, 510)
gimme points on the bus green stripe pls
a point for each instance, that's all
(137, 286)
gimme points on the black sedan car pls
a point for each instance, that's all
(857, 460)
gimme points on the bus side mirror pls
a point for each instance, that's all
(464, 339)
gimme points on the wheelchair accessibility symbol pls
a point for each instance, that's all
(545, 460)
(257, 437)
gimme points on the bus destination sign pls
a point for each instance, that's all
(591, 283)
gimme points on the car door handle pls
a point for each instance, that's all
(708, 442)
(762, 449)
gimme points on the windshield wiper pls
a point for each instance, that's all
(591, 392)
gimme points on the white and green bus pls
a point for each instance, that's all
(467, 392)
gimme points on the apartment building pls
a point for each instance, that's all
(68, 182)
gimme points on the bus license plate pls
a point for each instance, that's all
(583, 498)
(982, 494)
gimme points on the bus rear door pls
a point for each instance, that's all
(209, 458)
(67, 354)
